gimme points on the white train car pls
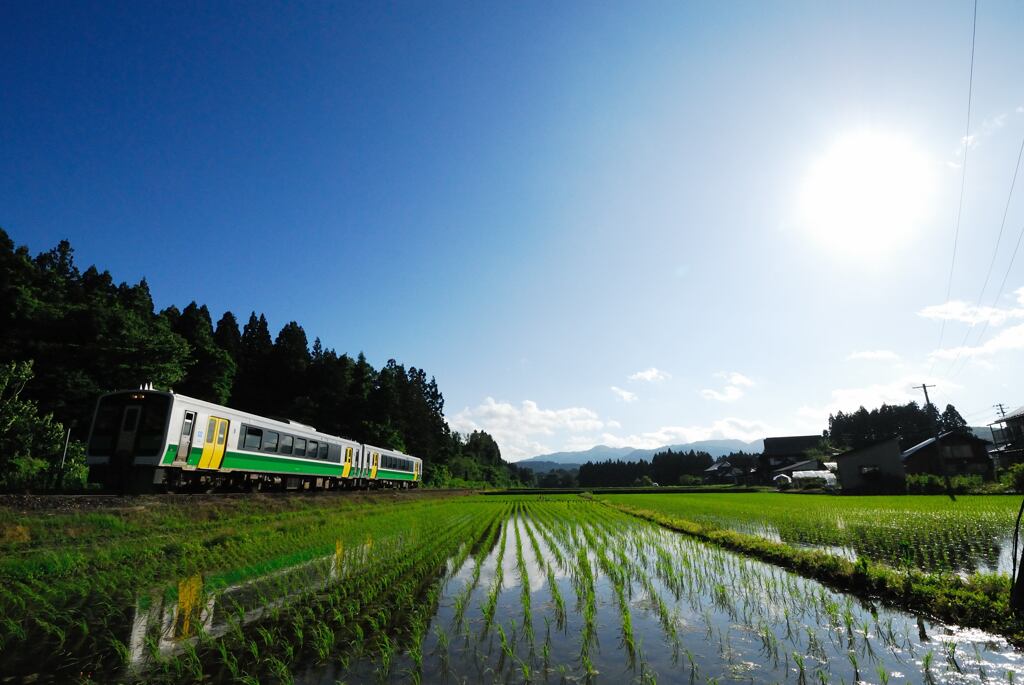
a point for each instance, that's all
(141, 438)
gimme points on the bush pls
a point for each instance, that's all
(1013, 477)
(931, 484)
(31, 445)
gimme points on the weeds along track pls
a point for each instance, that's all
(477, 589)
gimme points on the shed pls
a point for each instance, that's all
(873, 469)
(963, 454)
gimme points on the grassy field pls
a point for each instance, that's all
(428, 588)
(926, 532)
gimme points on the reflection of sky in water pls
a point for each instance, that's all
(725, 605)
(724, 609)
(997, 559)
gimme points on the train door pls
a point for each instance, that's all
(374, 465)
(347, 468)
(129, 429)
(216, 441)
(185, 439)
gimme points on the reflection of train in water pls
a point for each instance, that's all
(141, 438)
(165, 621)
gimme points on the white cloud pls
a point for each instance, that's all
(727, 428)
(874, 356)
(1010, 339)
(624, 395)
(728, 394)
(899, 391)
(958, 310)
(517, 428)
(651, 375)
(735, 383)
(525, 430)
(988, 128)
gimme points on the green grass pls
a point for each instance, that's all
(980, 600)
(277, 554)
(926, 532)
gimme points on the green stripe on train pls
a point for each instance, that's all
(272, 464)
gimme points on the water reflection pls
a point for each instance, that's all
(165, 621)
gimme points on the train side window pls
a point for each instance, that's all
(253, 438)
(186, 426)
(286, 444)
(270, 440)
(322, 451)
(300, 447)
(311, 450)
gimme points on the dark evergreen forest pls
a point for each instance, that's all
(910, 423)
(664, 468)
(68, 336)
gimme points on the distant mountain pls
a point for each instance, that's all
(716, 448)
(598, 453)
(983, 432)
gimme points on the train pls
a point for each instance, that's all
(150, 440)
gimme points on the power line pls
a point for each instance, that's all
(963, 176)
(1002, 286)
(995, 253)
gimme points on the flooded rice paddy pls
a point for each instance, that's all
(968, 534)
(521, 590)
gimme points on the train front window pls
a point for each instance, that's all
(104, 428)
(145, 415)
(152, 425)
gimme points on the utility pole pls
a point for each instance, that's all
(1001, 408)
(925, 387)
(938, 443)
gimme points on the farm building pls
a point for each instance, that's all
(805, 465)
(962, 453)
(1009, 430)
(872, 469)
(1008, 433)
(723, 472)
(784, 451)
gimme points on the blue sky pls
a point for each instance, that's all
(588, 220)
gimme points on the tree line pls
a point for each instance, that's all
(664, 468)
(68, 336)
(909, 423)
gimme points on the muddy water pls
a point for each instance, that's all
(695, 614)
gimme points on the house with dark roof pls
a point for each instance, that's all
(873, 469)
(1008, 433)
(961, 454)
(784, 451)
(723, 472)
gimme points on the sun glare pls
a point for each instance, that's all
(868, 194)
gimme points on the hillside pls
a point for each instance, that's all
(601, 453)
